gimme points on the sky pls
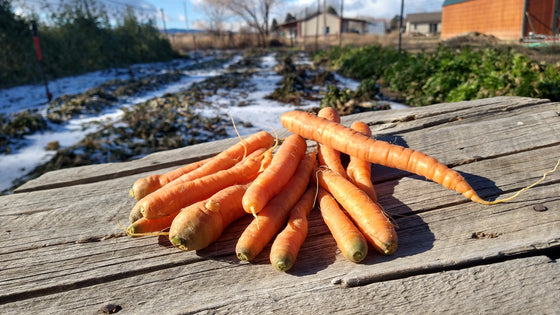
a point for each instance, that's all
(183, 13)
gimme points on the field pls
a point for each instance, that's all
(187, 42)
(121, 114)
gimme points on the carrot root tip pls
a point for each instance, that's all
(179, 242)
(283, 265)
(389, 248)
(244, 256)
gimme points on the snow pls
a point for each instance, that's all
(31, 152)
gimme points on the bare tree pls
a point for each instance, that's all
(255, 13)
(217, 13)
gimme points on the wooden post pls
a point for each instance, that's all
(40, 57)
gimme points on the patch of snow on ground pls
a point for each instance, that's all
(32, 151)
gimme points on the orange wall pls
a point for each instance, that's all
(501, 18)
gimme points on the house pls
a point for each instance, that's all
(504, 19)
(329, 25)
(424, 23)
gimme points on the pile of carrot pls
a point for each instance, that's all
(279, 184)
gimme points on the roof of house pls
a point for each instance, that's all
(430, 17)
(449, 2)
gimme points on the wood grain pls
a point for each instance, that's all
(61, 249)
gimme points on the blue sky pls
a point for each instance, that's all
(174, 10)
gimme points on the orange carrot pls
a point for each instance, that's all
(151, 183)
(172, 198)
(135, 215)
(353, 143)
(285, 247)
(202, 223)
(367, 214)
(270, 220)
(327, 155)
(348, 237)
(358, 170)
(144, 225)
(229, 157)
(272, 180)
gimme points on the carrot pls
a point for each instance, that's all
(135, 215)
(229, 157)
(221, 161)
(146, 185)
(327, 155)
(348, 237)
(145, 226)
(272, 180)
(172, 198)
(202, 223)
(270, 220)
(358, 170)
(285, 247)
(353, 143)
(367, 214)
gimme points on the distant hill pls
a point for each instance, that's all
(181, 31)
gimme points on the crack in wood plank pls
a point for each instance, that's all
(541, 249)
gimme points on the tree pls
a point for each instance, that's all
(289, 18)
(274, 26)
(217, 13)
(254, 12)
(332, 10)
(394, 23)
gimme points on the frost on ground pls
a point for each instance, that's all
(198, 105)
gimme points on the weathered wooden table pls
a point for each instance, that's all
(62, 251)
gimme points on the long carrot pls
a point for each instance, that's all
(356, 144)
(348, 237)
(146, 185)
(358, 170)
(229, 157)
(224, 160)
(145, 226)
(270, 220)
(287, 243)
(172, 198)
(367, 214)
(327, 155)
(272, 180)
(202, 223)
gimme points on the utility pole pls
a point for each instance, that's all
(400, 24)
(187, 24)
(186, 20)
(325, 18)
(341, 24)
(304, 31)
(317, 26)
(163, 20)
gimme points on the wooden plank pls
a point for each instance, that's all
(436, 239)
(66, 239)
(526, 284)
(407, 119)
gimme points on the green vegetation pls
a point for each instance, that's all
(75, 42)
(448, 74)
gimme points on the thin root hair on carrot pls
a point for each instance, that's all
(238, 135)
(484, 202)
(241, 138)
